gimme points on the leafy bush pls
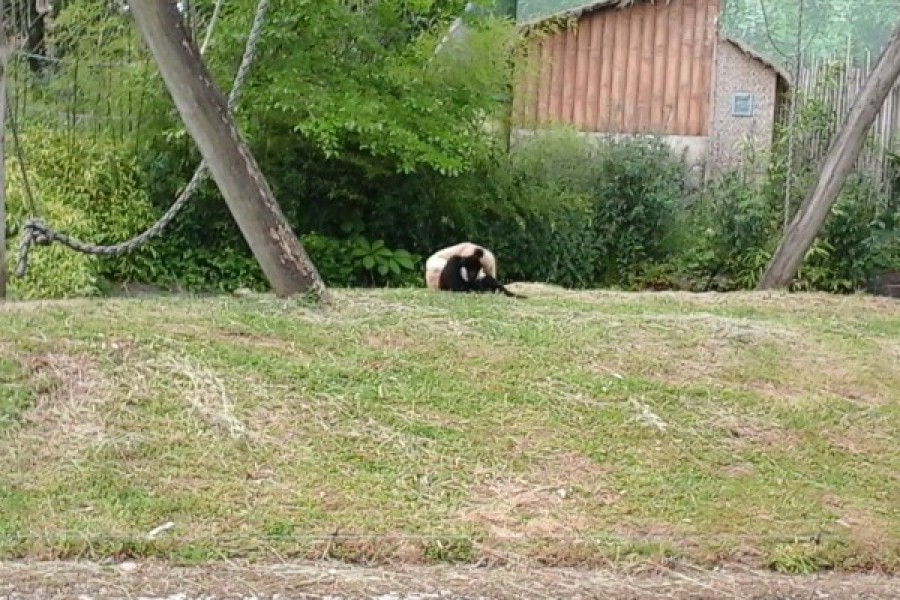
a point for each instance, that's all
(735, 225)
(357, 261)
(55, 271)
(860, 240)
(731, 232)
(578, 213)
(638, 193)
(738, 223)
(549, 244)
(86, 188)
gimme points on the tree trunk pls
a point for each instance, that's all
(836, 167)
(206, 117)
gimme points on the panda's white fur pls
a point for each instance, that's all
(435, 263)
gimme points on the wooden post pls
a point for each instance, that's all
(4, 61)
(835, 168)
(206, 117)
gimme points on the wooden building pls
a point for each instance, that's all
(656, 67)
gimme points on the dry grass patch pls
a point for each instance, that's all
(553, 499)
(71, 409)
(522, 509)
(204, 391)
(754, 431)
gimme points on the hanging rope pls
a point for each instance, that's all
(34, 231)
(212, 24)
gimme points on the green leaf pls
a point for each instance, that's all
(405, 261)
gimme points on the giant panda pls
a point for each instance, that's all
(435, 263)
(466, 274)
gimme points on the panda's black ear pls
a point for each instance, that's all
(479, 252)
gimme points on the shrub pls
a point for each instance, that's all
(86, 188)
(549, 244)
(531, 208)
(638, 194)
(581, 213)
(735, 224)
(738, 223)
(357, 261)
(860, 240)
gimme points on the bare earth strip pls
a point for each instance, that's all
(159, 581)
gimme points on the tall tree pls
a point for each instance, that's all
(206, 117)
(837, 165)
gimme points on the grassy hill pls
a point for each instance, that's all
(570, 428)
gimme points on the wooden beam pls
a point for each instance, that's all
(5, 51)
(205, 114)
(844, 150)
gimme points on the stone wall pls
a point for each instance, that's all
(732, 137)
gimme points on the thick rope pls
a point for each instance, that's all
(34, 231)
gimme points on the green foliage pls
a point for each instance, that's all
(84, 188)
(106, 84)
(357, 133)
(739, 219)
(378, 261)
(366, 85)
(738, 223)
(823, 28)
(577, 213)
(379, 151)
(860, 240)
(357, 261)
(331, 257)
(735, 224)
(554, 245)
(533, 209)
(638, 192)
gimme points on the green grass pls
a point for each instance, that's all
(571, 428)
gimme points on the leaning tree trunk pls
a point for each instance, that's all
(838, 163)
(206, 117)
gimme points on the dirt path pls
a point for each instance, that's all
(157, 581)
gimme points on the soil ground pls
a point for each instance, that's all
(158, 581)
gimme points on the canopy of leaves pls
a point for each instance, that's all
(366, 80)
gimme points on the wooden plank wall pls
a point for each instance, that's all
(643, 69)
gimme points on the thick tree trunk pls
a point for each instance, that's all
(837, 166)
(205, 114)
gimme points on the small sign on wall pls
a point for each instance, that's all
(742, 104)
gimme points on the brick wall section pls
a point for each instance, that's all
(729, 135)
